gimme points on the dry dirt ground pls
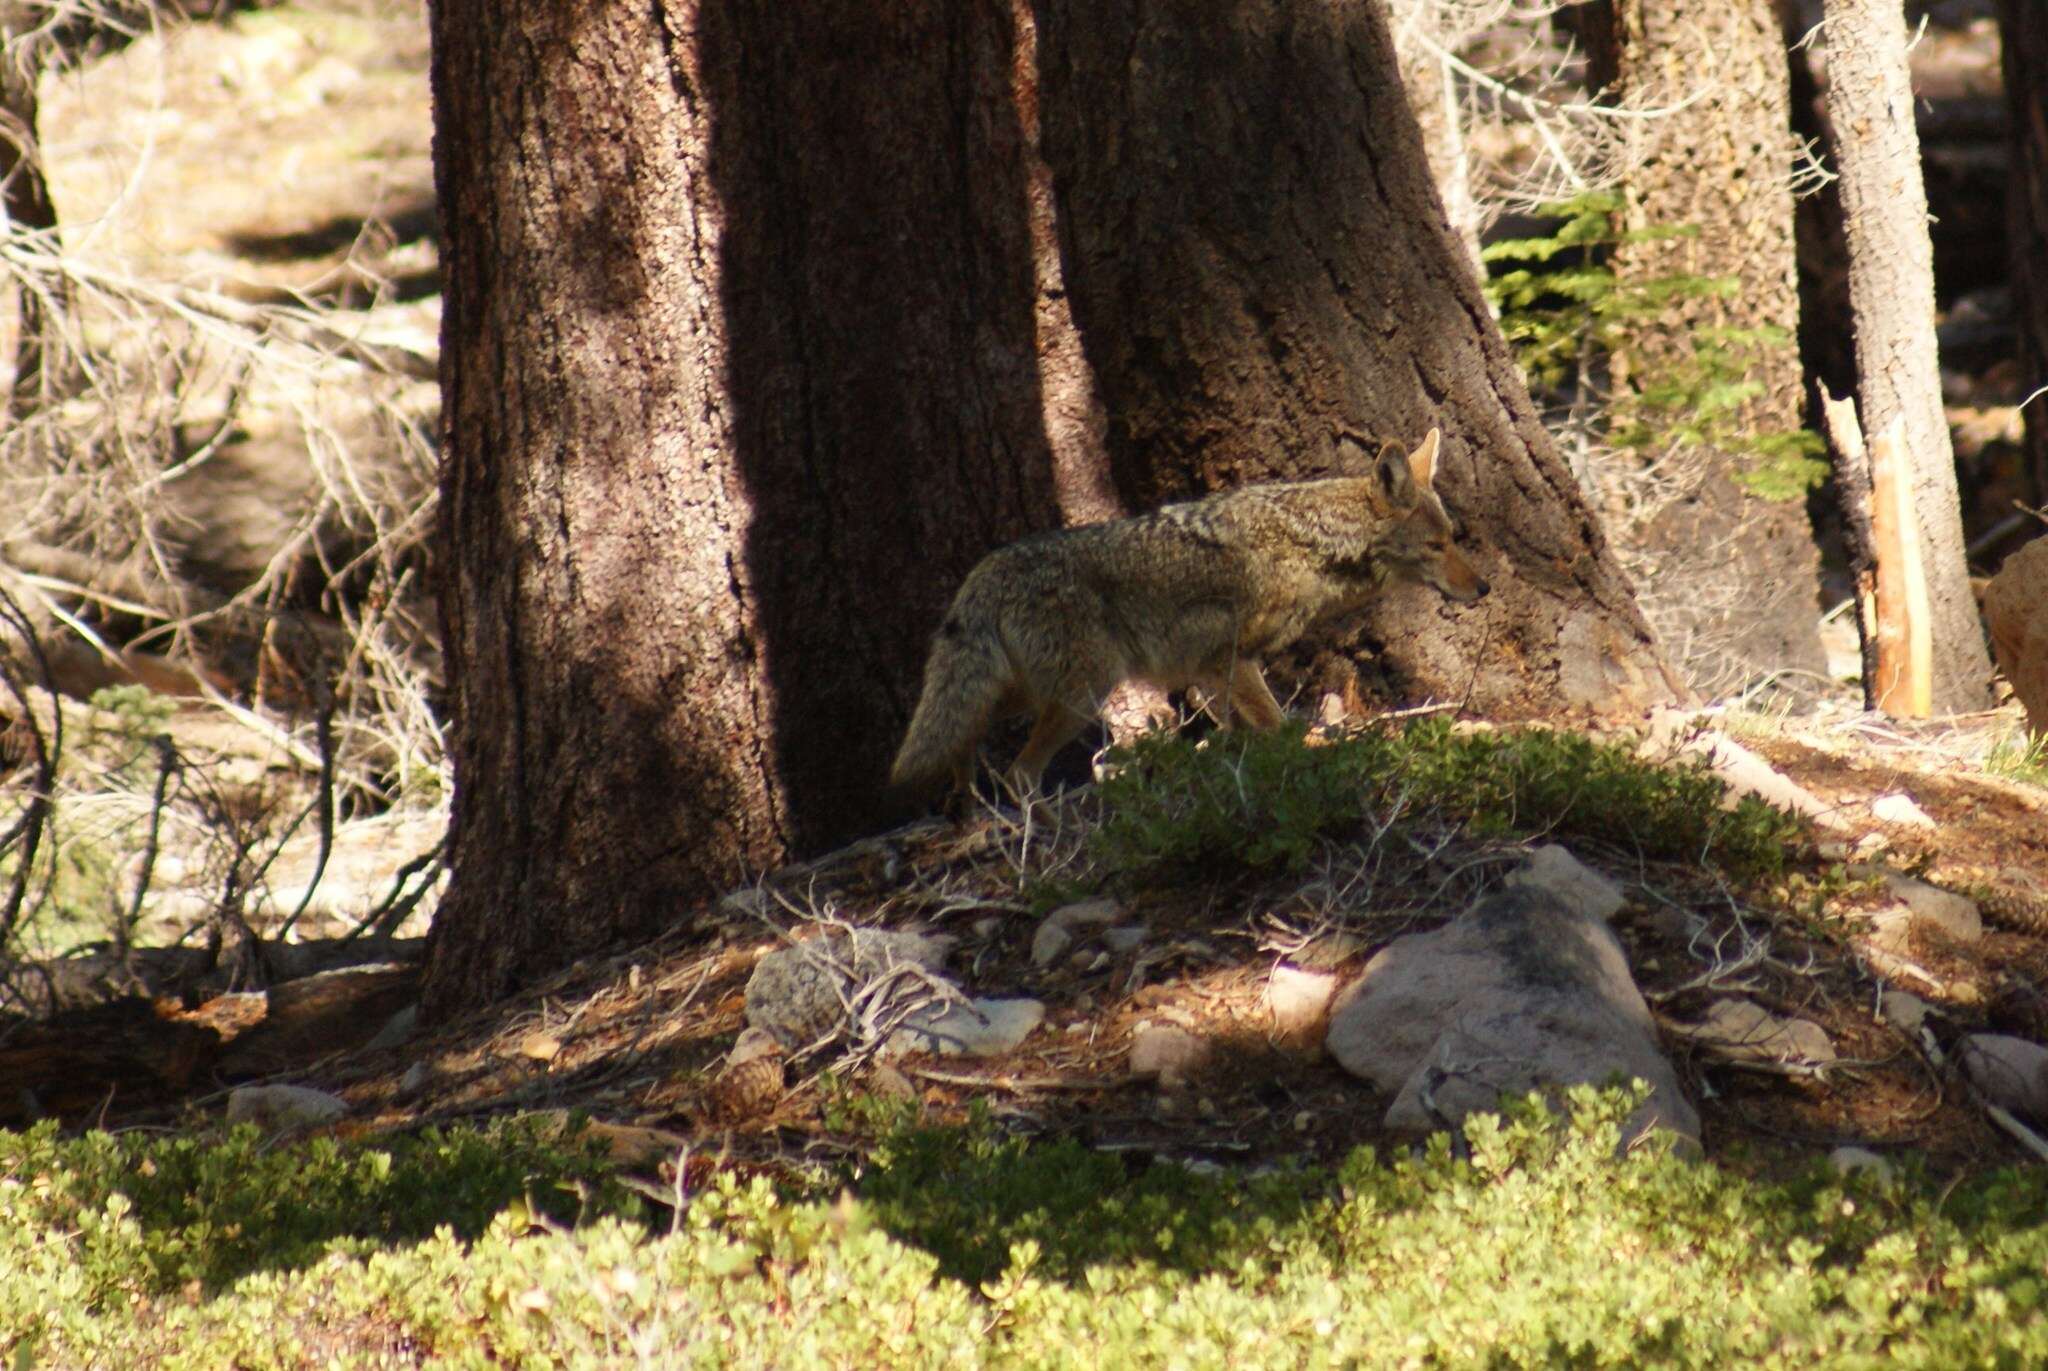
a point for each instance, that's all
(327, 103)
(637, 1040)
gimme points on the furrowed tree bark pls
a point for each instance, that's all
(741, 371)
(1730, 579)
(1265, 285)
(2023, 35)
(1891, 290)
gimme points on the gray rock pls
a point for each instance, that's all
(800, 993)
(1577, 886)
(1904, 1011)
(1850, 1161)
(416, 1079)
(1955, 916)
(1742, 1031)
(752, 1043)
(1899, 808)
(1741, 770)
(1299, 1000)
(396, 1030)
(1124, 938)
(978, 1028)
(288, 1107)
(1519, 993)
(1169, 1054)
(1057, 931)
(2012, 1072)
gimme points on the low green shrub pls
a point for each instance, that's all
(1268, 800)
(1545, 1248)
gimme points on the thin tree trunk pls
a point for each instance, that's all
(2023, 32)
(1891, 289)
(25, 198)
(1731, 579)
(1266, 286)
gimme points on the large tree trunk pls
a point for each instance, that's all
(755, 337)
(1262, 274)
(1891, 289)
(1730, 579)
(741, 373)
(2023, 31)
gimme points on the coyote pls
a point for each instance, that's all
(1190, 595)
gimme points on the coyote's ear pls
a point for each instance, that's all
(1395, 474)
(1422, 461)
(1404, 476)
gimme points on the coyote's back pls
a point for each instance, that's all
(1187, 596)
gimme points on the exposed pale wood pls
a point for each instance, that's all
(1905, 649)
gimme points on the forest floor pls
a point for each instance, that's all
(638, 1040)
(290, 155)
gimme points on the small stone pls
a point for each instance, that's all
(1904, 1011)
(800, 992)
(1581, 888)
(1169, 1054)
(1057, 931)
(752, 1043)
(417, 1078)
(887, 1083)
(2012, 1072)
(396, 1030)
(1957, 916)
(1048, 942)
(1899, 808)
(978, 1028)
(1304, 1121)
(1742, 1031)
(286, 1107)
(987, 926)
(1850, 1161)
(1124, 938)
(1891, 928)
(1299, 1000)
(540, 1047)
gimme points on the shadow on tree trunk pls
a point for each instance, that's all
(879, 295)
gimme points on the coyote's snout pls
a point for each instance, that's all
(1191, 595)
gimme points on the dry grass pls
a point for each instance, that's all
(223, 483)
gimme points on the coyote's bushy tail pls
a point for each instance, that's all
(965, 680)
